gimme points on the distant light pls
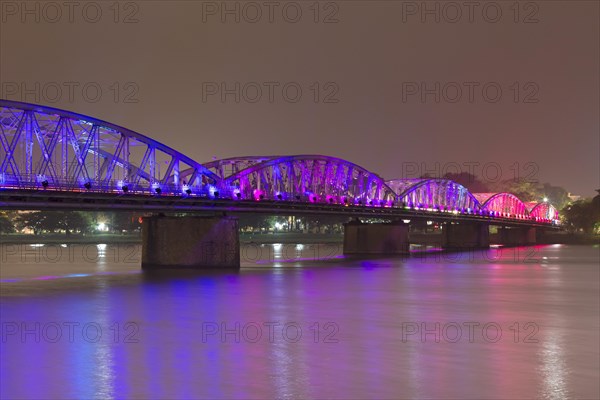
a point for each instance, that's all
(429, 222)
(545, 199)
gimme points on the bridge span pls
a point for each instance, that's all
(57, 159)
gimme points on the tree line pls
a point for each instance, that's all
(69, 222)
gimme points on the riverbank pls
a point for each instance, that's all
(269, 238)
(266, 238)
(291, 238)
(71, 239)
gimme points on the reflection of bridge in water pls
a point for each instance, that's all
(55, 159)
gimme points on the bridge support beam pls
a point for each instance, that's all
(381, 238)
(466, 235)
(518, 236)
(190, 242)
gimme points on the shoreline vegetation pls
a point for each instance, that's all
(262, 238)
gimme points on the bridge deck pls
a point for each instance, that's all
(58, 200)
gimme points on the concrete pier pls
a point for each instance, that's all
(517, 236)
(190, 242)
(389, 239)
(471, 235)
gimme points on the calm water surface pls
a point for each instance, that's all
(301, 322)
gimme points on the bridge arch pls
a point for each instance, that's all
(44, 145)
(312, 178)
(228, 166)
(440, 194)
(544, 212)
(503, 204)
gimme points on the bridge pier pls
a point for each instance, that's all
(517, 236)
(465, 235)
(389, 239)
(190, 242)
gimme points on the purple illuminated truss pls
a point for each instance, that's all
(435, 194)
(43, 148)
(67, 151)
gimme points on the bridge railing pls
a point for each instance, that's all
(123, 187)
(40, 182)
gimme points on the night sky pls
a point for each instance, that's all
(367, 71)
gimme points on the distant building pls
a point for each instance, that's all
(573, 197)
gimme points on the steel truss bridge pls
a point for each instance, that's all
(56, 159)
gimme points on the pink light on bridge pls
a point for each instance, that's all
(258, 194)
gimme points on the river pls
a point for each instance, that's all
(301, 321)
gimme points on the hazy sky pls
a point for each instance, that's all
(489, 85)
